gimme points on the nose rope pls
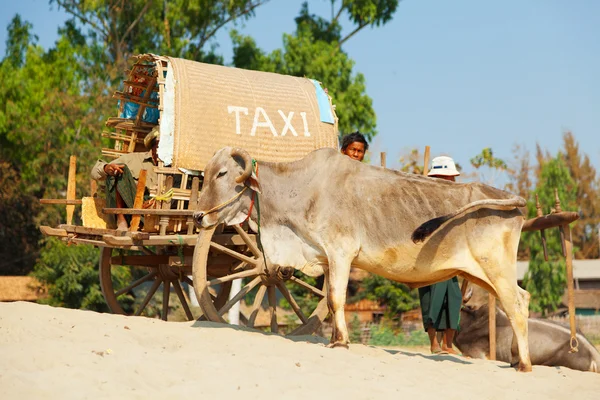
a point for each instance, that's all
(216, 208)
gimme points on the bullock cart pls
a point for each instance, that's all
(198, 109)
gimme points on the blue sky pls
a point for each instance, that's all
(458, 75)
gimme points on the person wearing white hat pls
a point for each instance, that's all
(443, 167)
(441, 302)
(121, 176)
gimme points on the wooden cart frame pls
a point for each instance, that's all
(161, 262)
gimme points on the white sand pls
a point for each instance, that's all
(55, 353)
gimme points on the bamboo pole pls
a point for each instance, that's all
(383, 159)
(492, 325)
(93, 187)
(71, 186)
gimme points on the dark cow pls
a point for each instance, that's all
(549, 342)
(328, 212)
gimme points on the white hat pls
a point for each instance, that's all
(444, 166)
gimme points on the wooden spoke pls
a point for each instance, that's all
(273, 308)
(213, 292)
(260, 295)
(223, 295)
(187, 280)
(249, 242)
(241, 266)
(183, 300)
(135, 284)
(229, 278)
(233, 253)
(165, 305)
(288, 296)
(307, 286)
(149, 295)
(240, 295)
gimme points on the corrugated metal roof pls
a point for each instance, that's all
(582, 269)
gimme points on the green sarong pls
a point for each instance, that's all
(440, 305)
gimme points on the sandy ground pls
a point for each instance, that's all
(55, 353)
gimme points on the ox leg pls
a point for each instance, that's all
(515, 302)
(338, 274)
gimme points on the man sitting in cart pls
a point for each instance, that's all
(122, 174)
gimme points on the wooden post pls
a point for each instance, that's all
(138, 201)
(71, 186)
(192, 204)
(383, 159)
(93, 187)
(163, 222)
(492, 325)
(426, 161)
(570, 290)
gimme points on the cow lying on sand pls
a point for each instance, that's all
(330, 212)
(548, 341)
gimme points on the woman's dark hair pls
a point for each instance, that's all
(354, 137)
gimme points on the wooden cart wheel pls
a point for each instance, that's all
(249, 265)
(143, 284)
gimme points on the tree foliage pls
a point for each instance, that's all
(585, 232)
(71, 275)
(397, 297)
(19, 232)
(179, 28)
(546, 280)
(486, 161)
(314, 50)
(520, 180)
(46, 110)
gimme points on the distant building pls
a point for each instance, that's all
(585, 272)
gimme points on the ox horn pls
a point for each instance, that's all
(243, 154)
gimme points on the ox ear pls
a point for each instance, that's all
(252, 183)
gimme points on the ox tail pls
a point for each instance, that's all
(427, 228)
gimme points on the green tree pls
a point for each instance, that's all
(315, 51)
(179, 28)
(46, 114)
(546, 280)
(19, 234)
(71, 275)
(397, 297)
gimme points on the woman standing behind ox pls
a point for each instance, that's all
(441, 302)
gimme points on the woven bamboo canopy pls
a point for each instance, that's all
(201, 108)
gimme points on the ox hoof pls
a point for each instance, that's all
(338, 344)
(524, 367)
(521, 367)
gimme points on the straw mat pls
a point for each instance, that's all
(261, 112)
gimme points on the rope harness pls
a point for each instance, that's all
(231, 200)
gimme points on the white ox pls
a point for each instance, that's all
(330, 212)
